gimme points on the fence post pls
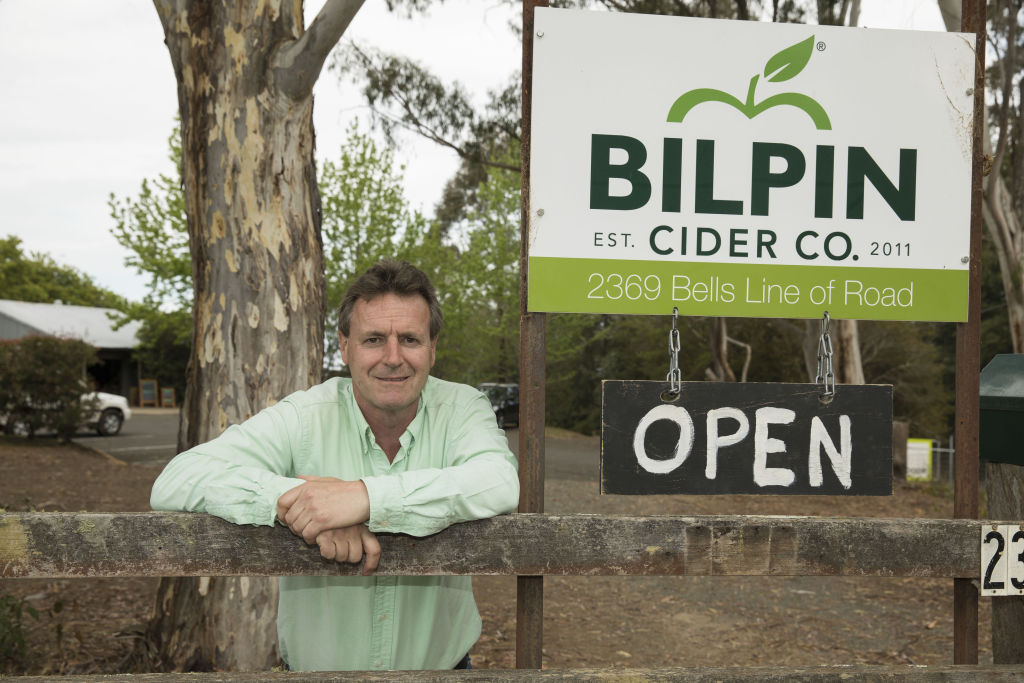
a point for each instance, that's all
(968, 360)
(532, 380)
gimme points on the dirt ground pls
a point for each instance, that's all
(89, 625)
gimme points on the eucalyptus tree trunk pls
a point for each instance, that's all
(1004, 483)
(847, 363)
(245, 71)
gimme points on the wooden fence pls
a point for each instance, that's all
(70, 545)
(61, 545)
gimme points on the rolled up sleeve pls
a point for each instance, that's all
(481, 481)
(238, 476)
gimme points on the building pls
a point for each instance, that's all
(114, 373)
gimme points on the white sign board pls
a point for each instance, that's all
(744, 168)
(919, 459)
(1002, 560)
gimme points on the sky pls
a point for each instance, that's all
(90, 98)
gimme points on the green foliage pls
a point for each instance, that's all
(165, 340)
(12, 631)
(365, 218)
(907, 356)
(153, 227)
(775, 349)
(42, 380)
(584, 349)
(481, 286)
(404, 95)
(476, 273)
(39, 279)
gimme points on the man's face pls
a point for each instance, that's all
(389, 353)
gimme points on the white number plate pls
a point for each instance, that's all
(1002, 559)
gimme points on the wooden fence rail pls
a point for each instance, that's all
(710, 674)
(58, 545)
(69, 545)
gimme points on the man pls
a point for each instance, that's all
(391, 450)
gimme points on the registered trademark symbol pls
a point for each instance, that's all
(820, 46)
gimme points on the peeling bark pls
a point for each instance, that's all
(245, 72)
(846, 351)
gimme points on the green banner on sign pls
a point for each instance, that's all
(572, 285)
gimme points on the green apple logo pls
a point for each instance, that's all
(782, 67)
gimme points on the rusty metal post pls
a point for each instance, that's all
(968, 360)
(532, 346)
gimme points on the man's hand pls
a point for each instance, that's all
(322, 504)
(349, 545)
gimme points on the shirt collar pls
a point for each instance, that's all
(409, 436)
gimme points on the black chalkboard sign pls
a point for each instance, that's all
(728, 437)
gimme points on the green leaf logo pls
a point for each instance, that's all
(783, 66)
(789, 62)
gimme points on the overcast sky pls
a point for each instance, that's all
(89, 101)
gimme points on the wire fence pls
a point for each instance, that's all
(930, 460)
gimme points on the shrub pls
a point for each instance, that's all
(42, 380)
(12, 631)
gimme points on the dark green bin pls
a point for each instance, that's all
(1001, 437)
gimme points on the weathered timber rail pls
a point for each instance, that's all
(60, 545)
(803, 674)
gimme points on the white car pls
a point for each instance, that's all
(111, 413)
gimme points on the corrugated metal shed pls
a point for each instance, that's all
(93, 325)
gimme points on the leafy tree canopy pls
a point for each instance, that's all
(153, 227)
(38, 278)
(365, 218)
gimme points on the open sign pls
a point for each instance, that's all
(765, 438)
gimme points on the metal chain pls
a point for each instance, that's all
(674, 376)
(826, 378)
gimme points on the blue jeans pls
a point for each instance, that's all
(464, 663)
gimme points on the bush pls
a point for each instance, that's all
(42, 380)
(12, 631)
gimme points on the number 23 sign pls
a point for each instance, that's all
(1002, 560)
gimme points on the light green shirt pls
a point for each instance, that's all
(454, 465)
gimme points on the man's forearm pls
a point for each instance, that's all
(423, 502)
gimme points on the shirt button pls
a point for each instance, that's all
(383, 523)
(383, 617)
(379, 663)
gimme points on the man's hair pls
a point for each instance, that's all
(391, 276)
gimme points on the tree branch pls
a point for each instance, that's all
(298, 63)
(746, 363)
(423, 130)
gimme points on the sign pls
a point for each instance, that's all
(727, 437)
(147, 392)
(167, 397)
(741, 168)
(919, 459)
(1002, 559)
